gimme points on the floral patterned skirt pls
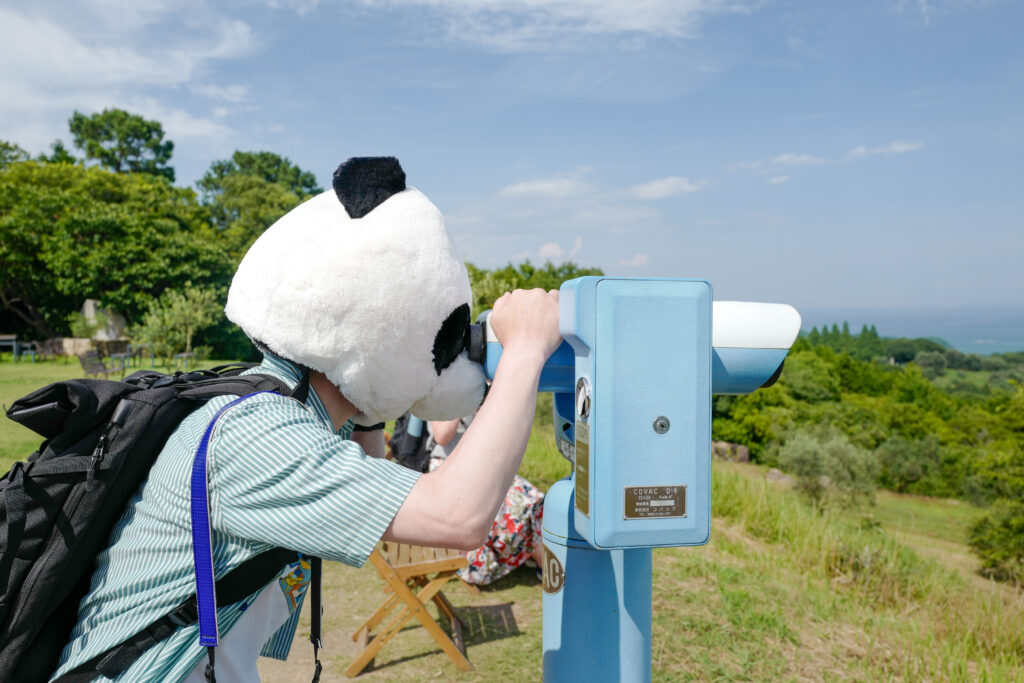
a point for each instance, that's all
(514, 535)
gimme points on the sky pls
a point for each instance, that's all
(831, 155)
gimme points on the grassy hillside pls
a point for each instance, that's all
(780, 593)
(884, 592)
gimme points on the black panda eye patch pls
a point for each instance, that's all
(451, 338)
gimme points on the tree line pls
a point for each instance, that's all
(103, 220)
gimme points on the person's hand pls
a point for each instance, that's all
(527, 320)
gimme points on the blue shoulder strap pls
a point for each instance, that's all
(202, 550)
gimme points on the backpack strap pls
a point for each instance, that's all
(316, 611)
(202, 550)
(237, 585)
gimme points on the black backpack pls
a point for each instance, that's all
(57, 509)
(409, 450)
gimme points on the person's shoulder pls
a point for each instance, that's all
(255, 414)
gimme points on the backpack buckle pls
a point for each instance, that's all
(184, 615)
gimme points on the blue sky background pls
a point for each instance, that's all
(838, 156)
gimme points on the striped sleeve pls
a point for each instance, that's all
(286, 480)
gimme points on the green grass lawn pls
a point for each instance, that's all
(21, 378)
(975, 379)
(17, 380)
(780, 592)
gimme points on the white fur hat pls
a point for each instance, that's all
(363, 284)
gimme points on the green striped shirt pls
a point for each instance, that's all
(278, 476)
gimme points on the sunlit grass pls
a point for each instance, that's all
(781, 592)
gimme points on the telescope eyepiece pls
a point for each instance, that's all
(476, 342)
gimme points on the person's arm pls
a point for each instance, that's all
(444, 432)
(454, 505)
(372, 442)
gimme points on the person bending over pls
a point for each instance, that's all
(360, 290)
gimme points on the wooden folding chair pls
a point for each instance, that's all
(406, 568)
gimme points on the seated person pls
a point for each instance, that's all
(515, 535)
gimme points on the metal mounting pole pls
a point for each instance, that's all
(597, 603)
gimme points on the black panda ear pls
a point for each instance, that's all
(363, 183)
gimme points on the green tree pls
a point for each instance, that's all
(68, 233)
(810, 378)
(59, 154)
(247, 193)
(84, 328)
(271, 167)
(11, 153)
(123, 142)
(246, 206)
(488, 285)
(172, 321)
(932, 363)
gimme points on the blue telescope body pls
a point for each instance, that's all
(632, 388)
(734, 369)
(632, 391)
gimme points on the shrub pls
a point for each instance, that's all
(998, 539)
(82, 327)
(904, 463)
(829, 470)
(931, 359)
(994, 363)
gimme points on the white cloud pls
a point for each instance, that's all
(778, 161)
(796, 160)
(929, 9)
(550, 251)
(665, 187)
(300, 7)
(789, 160)
(638, 261)
(553, 251)
(228, 93)
(552, 188)
(83, 59)
(178, 124)
(895, 147)
(513, 25)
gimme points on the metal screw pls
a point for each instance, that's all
(661, 424)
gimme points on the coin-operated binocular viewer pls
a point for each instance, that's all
(632, 400)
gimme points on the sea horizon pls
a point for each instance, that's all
(971, 329)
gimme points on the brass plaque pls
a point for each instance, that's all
(583, 468)
(646, 502)
(554, 575)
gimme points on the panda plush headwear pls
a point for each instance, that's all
(363, 284)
